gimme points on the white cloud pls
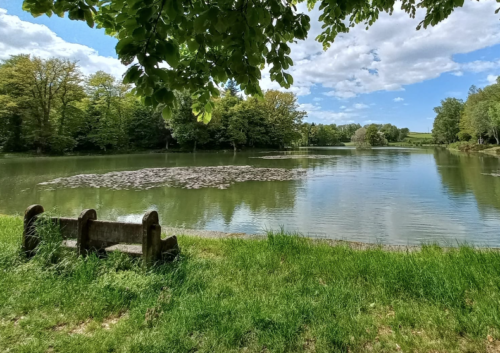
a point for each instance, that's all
(382, 58)
(314, 113)
(480, 66)
(22, 37)
(360, 106)
(317, 99)
(309, 107)
(398, 99)
(491, 79)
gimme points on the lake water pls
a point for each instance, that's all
(390, 195)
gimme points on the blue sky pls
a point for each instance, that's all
(388, 74)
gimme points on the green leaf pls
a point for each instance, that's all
(160, 95)
(208, 108)
(169, 97)
(89, 18)
(139, 33)
(162, 74)
(172, 55)
(145, 14)
(132, 74)
(205, 117)
(166, 113)
(192, 45)
(171, 9)
(213, 90)
(199, 23)
(122, 43)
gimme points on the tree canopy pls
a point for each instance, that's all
(447, 122)
(197, 45)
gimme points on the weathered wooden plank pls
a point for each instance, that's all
(133, 250)
(69, 227)
(115, 232)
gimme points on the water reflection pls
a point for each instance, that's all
(399, 196)
(464, 174)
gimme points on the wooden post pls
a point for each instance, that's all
(83, 238)
(30, 238)
(169, 248)
(151, 238)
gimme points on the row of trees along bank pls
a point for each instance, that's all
(51, 107)
(475, 121)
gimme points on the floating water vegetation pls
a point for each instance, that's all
(299, 156)
(220, 177)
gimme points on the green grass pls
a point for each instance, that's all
(280, 294)
(415, 139)
(420, 135)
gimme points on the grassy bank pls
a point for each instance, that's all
(468, 146)
(415, 139)
(495, 151)
(281, 294)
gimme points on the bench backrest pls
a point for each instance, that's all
(91, 234)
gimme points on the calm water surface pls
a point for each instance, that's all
(393, 196)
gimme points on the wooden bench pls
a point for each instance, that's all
(87, 234)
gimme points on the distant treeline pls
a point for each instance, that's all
(49, 106)
(476, 121)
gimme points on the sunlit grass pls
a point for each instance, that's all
(284, 293)
(420, 135)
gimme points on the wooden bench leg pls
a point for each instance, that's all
(151, 238)
(30, 237)
(83, 238)
(169, 248)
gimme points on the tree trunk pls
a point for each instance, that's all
(166, 146)
(234, 146)
(194, 149)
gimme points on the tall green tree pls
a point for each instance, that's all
(146, 128)
(109, 107)
(375, 137)
(347, 131)
(283, 116)
(359, 138)
(493, 125)
(446, 124)
(479, 118)
(44, 90)
(186, 129)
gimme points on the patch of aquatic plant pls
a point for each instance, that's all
(299, 156)
(220, 177)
